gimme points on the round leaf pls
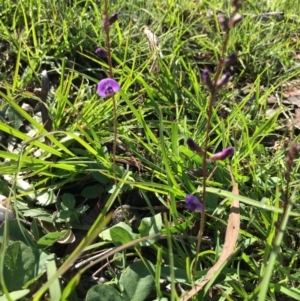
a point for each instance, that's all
(137, 281)
(103, 292)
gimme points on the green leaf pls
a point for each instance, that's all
(180, 274)
(100, 177)
(39, 213)
(25, 186)
(14, 118)
(50, 238)
(137, 281)
(70, 287)
(4, 188)
(82, 209)
(54, 289)
(16, 295)
(119, 260)
(91, 192)
(106, 234)
(10, 130)
(149, 226)
(104, 293)
(16, 233)
(121, 236)
(292, 292)
(67, 201)
(35, 229)
(46, 198)
(19, 265)
(64, 214)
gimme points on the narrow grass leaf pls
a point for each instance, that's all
(54, 288)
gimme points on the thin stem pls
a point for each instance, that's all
(106, 30)
(209, 115)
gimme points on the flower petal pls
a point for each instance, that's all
(107, 87)
(192, 203)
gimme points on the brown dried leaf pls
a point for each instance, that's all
(295, 122)
(231, 237)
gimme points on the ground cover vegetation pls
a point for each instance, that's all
(149, 150)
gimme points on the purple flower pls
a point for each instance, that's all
(223, 154)
(192, 203)
(107, 87)
(101, 52)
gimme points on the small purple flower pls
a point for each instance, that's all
(192, 203)
(101, 52)
(107, 87)
(223, 154)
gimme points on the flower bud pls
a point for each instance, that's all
(194, 146)
(223, 154)
(230, 60)
(113, 18)
(207, 80)
(106, 22)
(236, 4)
(223, 80)
(101, 52)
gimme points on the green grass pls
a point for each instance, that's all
(53, 189)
